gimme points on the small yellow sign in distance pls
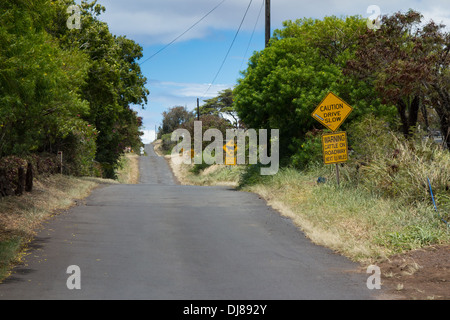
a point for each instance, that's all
(230, 161)
(332, 111)
(230, 148)
(230, 151)
(335, 148)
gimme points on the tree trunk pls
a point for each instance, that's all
(413, 112)
(20, 182)
(29, 178)
(5, 187)
(401, 108)
(445, 127)
(408, 114)
(442, 107)
(424, 111)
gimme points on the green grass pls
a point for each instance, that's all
(350, 219)
(360, 224)
(8, 254)
(214, 175)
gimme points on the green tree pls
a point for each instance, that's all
(407, 62)
(209, 121)
(391, 59)
(436, 42)
(114, 84)
(221, 105)
(286, 81)
(39, 81)
(173, 119)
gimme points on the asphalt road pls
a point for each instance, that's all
(160, 240)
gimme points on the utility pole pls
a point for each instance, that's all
(198, 109)
(267, 22)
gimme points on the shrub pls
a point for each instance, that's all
(386, 163)
(166, 143)
(251, 175)
(309, 150)
(371, 139)
(43, 164)
(79, 148)
(405, 174)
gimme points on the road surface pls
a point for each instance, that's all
(159, 240)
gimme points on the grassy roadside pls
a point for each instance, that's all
(128, 172)
(349, 220)
(407, 241)
(20, 217)
(356, 223)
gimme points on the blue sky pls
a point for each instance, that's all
(184, 71)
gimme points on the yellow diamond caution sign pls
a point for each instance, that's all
(332, 111)
(230, 151)
(335, 148)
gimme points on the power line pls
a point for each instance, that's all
(251, 38)
(229, 49)
(170, 43)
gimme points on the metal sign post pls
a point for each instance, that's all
(331, 113)
(61, 160)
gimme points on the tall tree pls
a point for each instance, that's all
(286, 81)
(436, 43)
(114, 83)
(222, 105)
(392, 59)
(39, 81)
(173, 119)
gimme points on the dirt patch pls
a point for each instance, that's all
(419, 274)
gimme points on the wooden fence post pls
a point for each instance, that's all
(29, 178)
(21, 181)
(5, 188)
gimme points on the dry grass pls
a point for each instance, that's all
(349, 220)
(180, 171)
(356, 223)
(215, 175)
(129, 171)
(325, 216)
(157, 147)
(362, 225)
(21, 216)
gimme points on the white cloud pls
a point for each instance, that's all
(149, 136)
(166, 94)
(183, 92)
(438, 16)
(194, 90)
(159, 22)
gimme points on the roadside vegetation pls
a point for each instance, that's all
(21, 217)
(128, 172)
(67, 90)
(65, 107)
(397, 80)
(374, 213)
